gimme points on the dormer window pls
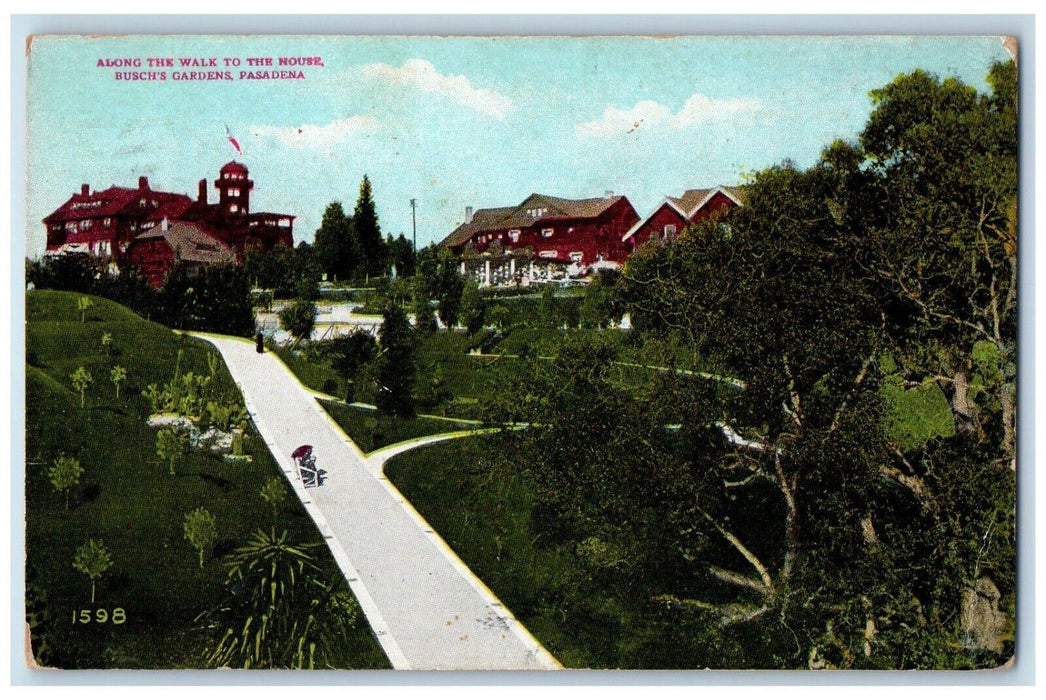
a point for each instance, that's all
(670, 230)
(547, 232)
(514, 235)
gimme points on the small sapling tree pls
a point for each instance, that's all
(92, 559)
(274, 494)
(201, 531)
(107, 345)
(81, 380)
(170, 444)
(64, 474)
(82, 305)
(116, 375)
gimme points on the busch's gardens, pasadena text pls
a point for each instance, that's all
(255, 68)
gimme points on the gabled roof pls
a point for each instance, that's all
(103, 203)
(671, 202)
(519, 216)
(171, 209)
(693, 200)
(690, 202)
(113, 201)
(191, 242)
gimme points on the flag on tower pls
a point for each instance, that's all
(234, 142)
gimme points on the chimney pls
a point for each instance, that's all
(468, 215)
(85, 189)
(608, 194)
(201, 196)
(143, 182)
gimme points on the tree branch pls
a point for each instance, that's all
(736, 579)
(729, 613)
(752, 559)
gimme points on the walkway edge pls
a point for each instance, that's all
(518, 628)
(352, 576)
(476, 583)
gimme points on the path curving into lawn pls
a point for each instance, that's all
(425, 606)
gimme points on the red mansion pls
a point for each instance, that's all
(153, 230)
(584, 231)
(676, 213)
(580, 231)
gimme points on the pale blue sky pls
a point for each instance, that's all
(457, 122)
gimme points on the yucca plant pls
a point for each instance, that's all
(279, 612)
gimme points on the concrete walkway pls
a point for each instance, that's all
(425, 606)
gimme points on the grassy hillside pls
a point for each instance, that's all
(127, 499)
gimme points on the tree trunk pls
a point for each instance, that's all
(1008, 398)
(961, 408)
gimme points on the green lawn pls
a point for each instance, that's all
(484, 515)
(315, 374)
(128, 499)
(371, 431)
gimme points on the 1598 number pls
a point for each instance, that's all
(99, 616)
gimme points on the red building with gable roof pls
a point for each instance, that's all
(107, 223)
(581, 231)
(676, 213)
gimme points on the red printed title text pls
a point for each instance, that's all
(209, 68)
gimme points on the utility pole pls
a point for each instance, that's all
(414, 223)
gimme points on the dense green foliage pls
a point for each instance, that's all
(855, 298)
(351, 247)
(473, 310)
(215, 298)
(299, 318)
(838, 489)
(395, 372)
(287, 272)
(127, 499)
(336, 245)
(350, 353)
(439, 280)
(401, 255)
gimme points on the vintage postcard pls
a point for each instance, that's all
(475, 353)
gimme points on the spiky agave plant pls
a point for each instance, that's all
(279, 613)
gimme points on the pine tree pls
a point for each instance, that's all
(372, 246)
(336, 245)
(396, 365)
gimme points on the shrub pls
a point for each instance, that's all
(299, 318)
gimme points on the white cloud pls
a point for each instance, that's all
(649, 115)
(420, 74)
(313, 136)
